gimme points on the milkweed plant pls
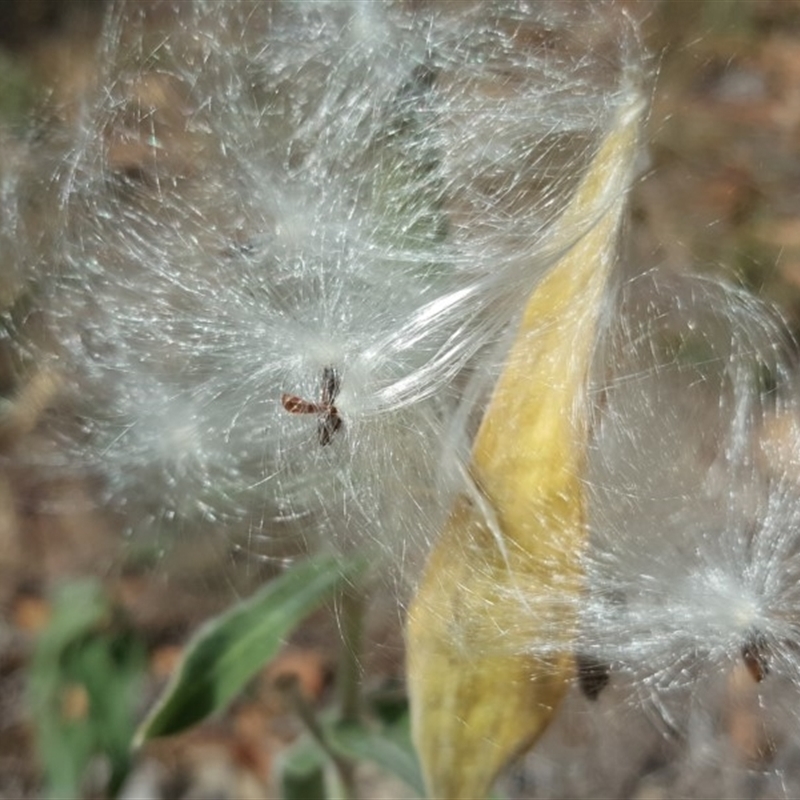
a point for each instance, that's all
(340, 284)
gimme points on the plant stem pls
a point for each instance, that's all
(303, 709)
(348, 676)
(352, 607)
(351, 630)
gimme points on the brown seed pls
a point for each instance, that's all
(296, 405)
(593, 675)
(329, 420)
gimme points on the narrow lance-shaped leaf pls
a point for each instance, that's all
(229, 650)
(490, 629)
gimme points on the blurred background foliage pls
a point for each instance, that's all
(80, 661)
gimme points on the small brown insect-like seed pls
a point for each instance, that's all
(593, 675)
(329, 420)
(754, 655)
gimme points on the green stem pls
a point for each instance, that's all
(344, 768)
(348, 675)
(352, 607)
(351, 629)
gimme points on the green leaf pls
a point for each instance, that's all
(78, 609)
(303, 772)
(391, 749)
(229, 650)
(82, 688)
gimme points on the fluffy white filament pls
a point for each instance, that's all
(262, 192)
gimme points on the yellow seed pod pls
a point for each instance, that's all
(505, 571)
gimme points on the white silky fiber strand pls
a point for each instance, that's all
(272, 242)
